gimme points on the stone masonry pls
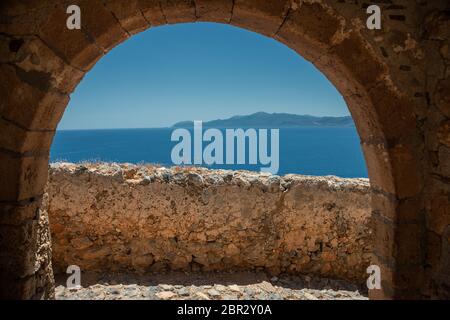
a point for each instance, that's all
(128, 218)
(396, 82)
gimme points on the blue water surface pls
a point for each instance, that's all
(310, 151)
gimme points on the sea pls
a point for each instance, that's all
(305, 150)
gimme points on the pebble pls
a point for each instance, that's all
(214, 293)
(165, 287)
(309, 296)
(183, 292)
(235, 288)
(165, 295)
(266, 286)
(220, 287)
(201, 295)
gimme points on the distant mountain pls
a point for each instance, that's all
(272, 120)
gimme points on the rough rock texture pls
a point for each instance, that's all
(43, 265)
(141, 218)
(35, 277)
(395, 81)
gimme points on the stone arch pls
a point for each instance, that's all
(381, 75)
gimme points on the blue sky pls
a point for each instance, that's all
(200, 71)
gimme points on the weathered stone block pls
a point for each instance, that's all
(406, 170)
(410, 245)
(129, 15)
(178, 11)
(74, 46)
(360, 60)
(99, 23)
(264, 17)
(214, 10)
(17, 213)
(444, 164)
(395, 113)
(22, 178)
(437, 213)
(20, 140)
(444, 133)
(379, 167)
(25, 251)
(385, 233)
(399, 211)
(32, 56)
(152, 11)
(28, 100)
(437, 25)
(442, 97)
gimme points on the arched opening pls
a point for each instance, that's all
(44, 62)
(122, 218)
(167, 75)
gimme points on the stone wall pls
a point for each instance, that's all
(34, 275)
(395, 82)
(109, 217)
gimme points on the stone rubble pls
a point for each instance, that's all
(260, 287)
(109, 217)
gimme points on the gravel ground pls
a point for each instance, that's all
(210, 286)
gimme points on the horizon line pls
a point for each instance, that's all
(218, 119)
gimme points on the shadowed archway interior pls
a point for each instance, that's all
(393, 81)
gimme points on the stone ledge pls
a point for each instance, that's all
(202, 177)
